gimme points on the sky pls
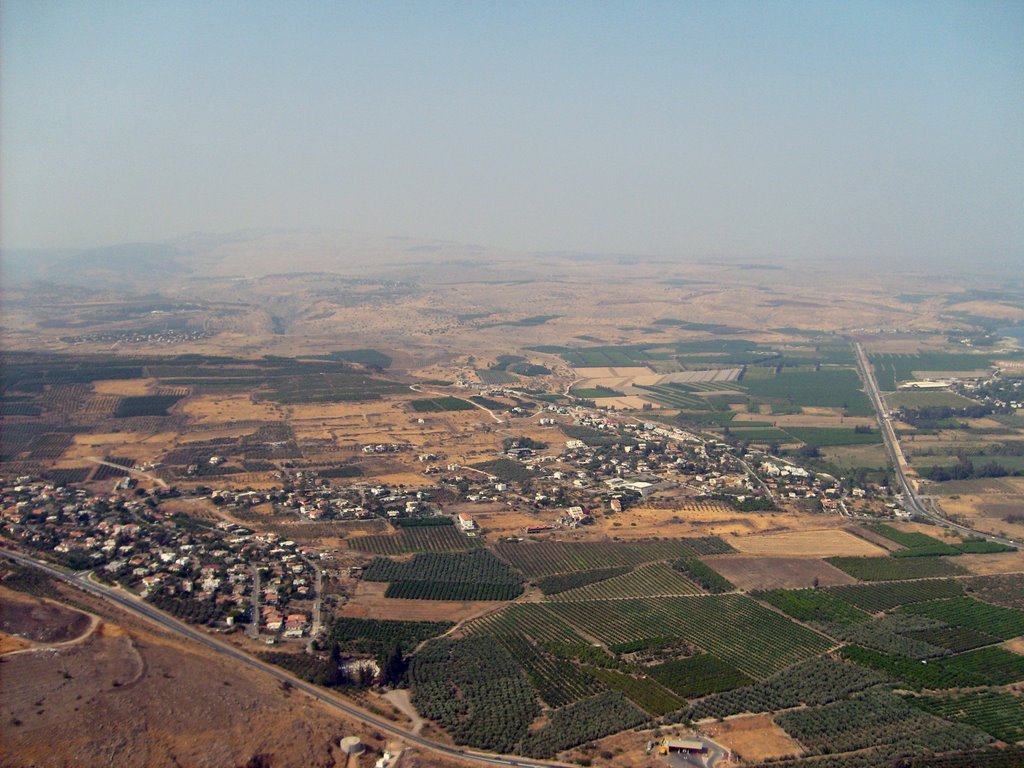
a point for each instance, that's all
(876, 131)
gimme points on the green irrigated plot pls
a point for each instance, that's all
(883, 597)
(698, 675)
(985, 666)
(827, 388)
(896, 569)
(536, 559)
(813, 605)
(648, 580)
(643, 691)
(969, 613)
(998, 714)
(738, 630)
(823, 436)
(438, 404)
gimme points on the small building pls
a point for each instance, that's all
(686, 746)
(466, 522)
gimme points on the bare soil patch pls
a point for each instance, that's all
(814, 543)
(369, 602)
(754, 738)
(749, 573)
(41, 621)
(130, 697)
(876, 538)
(1016, 645)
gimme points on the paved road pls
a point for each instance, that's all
(146, 611)
(898, 460)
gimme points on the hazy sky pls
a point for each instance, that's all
(890, 130)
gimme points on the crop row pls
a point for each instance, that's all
(479, 566)
(698, 675)
(563, 582)
(548, 558)
(703, 575)
(896, 569)
(377, 636)
(743, 633)
(996, 713)
(447, 590)
(584, 721)
(813, 605)
(813, 683)
(643, 691)
(985, 666)
(416, 539)
(1004, 623)
(877, 718)
(557, 683)
(882, 597)
(533, 620)
(646, 581)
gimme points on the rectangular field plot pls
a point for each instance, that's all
(824, 436)
(985, 666)
(438, 404)
(813, 605)
(532, 620)
(698, 675)
(549, 558)
(436, 538)
(810, 543)
(645, 581)
(743, 633)
(998, 714)
(896, 569)
(827, 388)
(645, 692)
(882, 597)
(1004, 623)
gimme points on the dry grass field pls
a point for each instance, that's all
(693, 519)
(985, 504)
(131, 696)
(750, 573)
(986, 565)
(807, 543)
(754, 738)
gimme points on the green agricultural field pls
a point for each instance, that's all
(824, 436)
(896, 569)
(551, 585)
(443, 538)
(496, 377)
(921, 399)
(813, 605)
(437, 404)
(557, 683)
(738, 630)
(553, 557)
(698, 675)
(509, 470)
(768, 435)
(985, 666)
(827, 388)
(379, 637)
(645, 581)
(996, 713)
(883, 597)
(363, 357)
(594, 393)
(1004, 623)
(646, 692)
(477, 575)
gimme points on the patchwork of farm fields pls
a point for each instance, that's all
(548, 558)
(434, 538)
(656, 579)
(740, 631)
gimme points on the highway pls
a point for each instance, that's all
(892, 446)
(145, 611)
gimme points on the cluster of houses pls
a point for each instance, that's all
(130, 540)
